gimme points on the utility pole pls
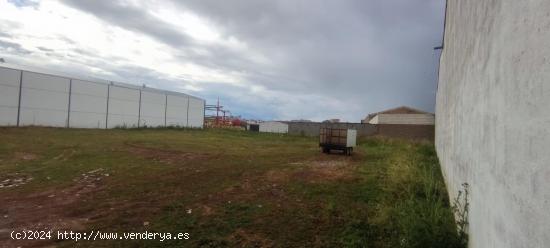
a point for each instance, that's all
(222, 116)
(218, 112)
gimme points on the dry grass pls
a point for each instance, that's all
(225, 188)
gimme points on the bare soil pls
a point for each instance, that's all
(48, 210)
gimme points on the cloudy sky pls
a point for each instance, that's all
(264, 59)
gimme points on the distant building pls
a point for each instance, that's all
(253, 127)
(273, 127)
(332, 121)
(401, 115)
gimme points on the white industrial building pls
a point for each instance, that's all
(401, 115)
(35, 97)
(273, 127)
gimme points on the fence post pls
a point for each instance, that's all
(107, 111)
(187, 118)
(69, 104)
(165, 107)
(139, 109)
(19, 104)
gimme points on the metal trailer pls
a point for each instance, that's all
(337, 139)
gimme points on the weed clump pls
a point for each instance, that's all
(416, 208)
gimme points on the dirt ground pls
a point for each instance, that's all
(225, 188)
(53, 209)
(49, 209)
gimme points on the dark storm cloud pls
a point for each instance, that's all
(133, 18)
(44, 49)
(318, 59)
(137, 19)
(375, 53)
(11, 47)
(4, 35)
(67, 40)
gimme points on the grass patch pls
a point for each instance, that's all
(413, 201)
(225, 188)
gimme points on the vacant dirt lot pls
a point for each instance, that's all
(224, 188)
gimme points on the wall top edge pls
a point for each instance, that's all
(37, 70)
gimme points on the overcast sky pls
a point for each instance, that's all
(264, 59)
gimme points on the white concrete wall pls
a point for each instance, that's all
(196, 112)
(273, 127)
(410, 119)
(493, 118)
(176, 113)
(9, 96)
(59, 101)
(88, 104)
(152, 109)
(44, 100)
(123, 107)
(374, 120)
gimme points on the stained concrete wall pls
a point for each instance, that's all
(123, 107)
(406, 131)
(273, 127)
(88, 104)
(176, 113)
(44, 99)
(196, 112)
(400, 131)
(407, 119)
(304, 128)
(153, 106)
(312, 128)
(9, 96)
(493, 118)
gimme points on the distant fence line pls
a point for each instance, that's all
(418, 132)
(35, 98)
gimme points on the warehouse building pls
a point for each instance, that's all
(273, 127)
(33, 97)
(401, 115)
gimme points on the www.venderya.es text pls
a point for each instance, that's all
(97, 235)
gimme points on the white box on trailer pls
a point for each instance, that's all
(351, 139)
